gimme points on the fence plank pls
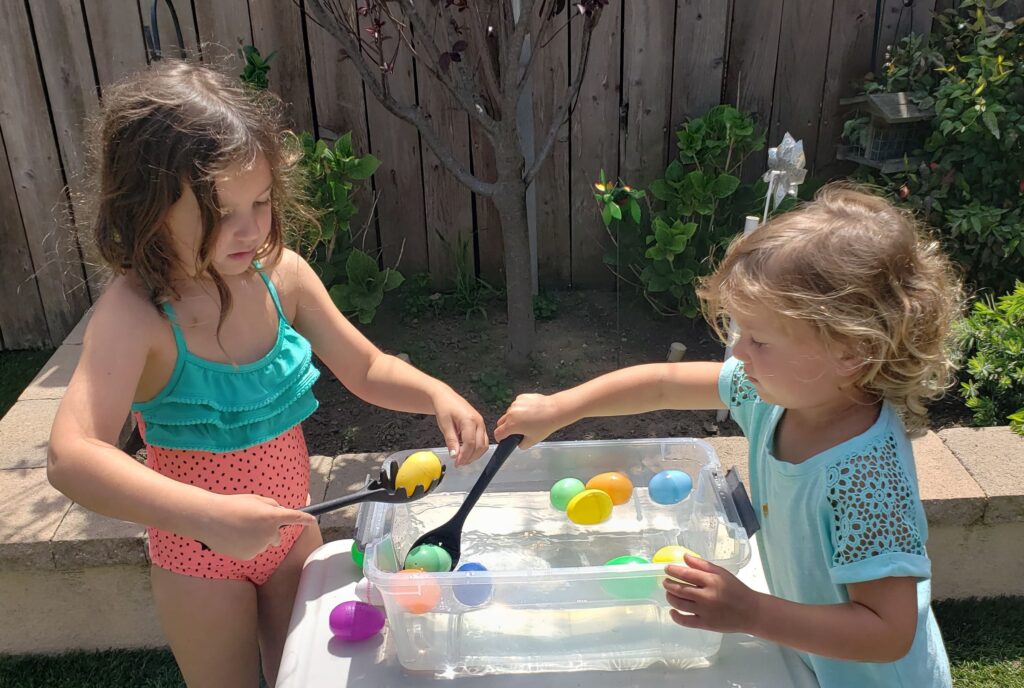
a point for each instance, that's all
(753, 52)
(489, 240)
(448, 204)
(22, 322)
(698, 63)
(800, 72)
(554, 247)
(116, 35)
(277, 25)
(223, 29)
(170, 47)
(399, 179)
(71, 86)
(849, 59)
(341, 108)
(35, 168)
(594, 142)
(648, 38)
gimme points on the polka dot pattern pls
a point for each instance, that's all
(278, 468)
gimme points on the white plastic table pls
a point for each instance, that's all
(313, 658)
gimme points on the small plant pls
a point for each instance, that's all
(494, 388)
(471, 293)
(545, 305)
(419, 298)
(993, 338)
(701, 206)
(257, 67)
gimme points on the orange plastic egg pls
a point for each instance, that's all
(616, 484)
(589, 507)
(420, 594)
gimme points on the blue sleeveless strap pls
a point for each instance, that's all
(272, 290)
(179, 336)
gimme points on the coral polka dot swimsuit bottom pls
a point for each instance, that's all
(232, 430)
(277, 468)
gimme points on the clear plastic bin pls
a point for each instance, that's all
(547, 602)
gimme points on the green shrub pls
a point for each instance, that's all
(992, 337)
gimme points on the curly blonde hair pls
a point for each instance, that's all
(861, 273)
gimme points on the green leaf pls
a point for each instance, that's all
(616, 211)
(989, 118)
(634, 210)
(393, 279)
(661, 190)
(361, 268)
(364, 167)
(606, 214)
(724, 185)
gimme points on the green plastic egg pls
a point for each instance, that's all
(429, 558)
(357, 554)
(630, 588)
(564, 490)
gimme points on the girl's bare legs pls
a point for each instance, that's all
(211, 626)
(276, 598)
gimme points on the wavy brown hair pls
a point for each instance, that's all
(861, 273)
(180, 124)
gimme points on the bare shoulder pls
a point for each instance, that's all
(124, 307)
(292, 277)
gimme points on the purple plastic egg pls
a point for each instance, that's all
(352, 621)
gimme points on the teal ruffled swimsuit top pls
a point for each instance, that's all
(220, 407)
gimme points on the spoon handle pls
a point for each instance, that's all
(337, 503)
(501, 453)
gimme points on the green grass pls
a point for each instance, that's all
(984, 639)
(17, 368)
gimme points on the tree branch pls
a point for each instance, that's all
(329, 19)
(464, 93)
(564, 107)
(514, 52)
(479, 31)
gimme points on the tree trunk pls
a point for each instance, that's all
(510, 201)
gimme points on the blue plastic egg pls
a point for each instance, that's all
(669, 487)
(476, 594)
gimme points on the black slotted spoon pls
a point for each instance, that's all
(448, 536)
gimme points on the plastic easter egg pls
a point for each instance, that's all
(564, 490)
(673, 554)
(473, 594)
(589, 507)
(429, 558)
(420, 468)
(629, 588)
(353, 621)
(617, 485)
(367, 592)
(669, 487)
(418, 593)
(357, 554)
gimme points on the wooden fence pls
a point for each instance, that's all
(655, 63)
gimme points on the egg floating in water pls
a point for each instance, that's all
(564, 490)
(673, 554)
(616, 484)
(429, 558)
(632, 588)
(353, 621)
(418, 593)
(476, 593)
(669, 487)
(420, 468)
(589, 507)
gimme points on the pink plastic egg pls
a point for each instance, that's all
(353, 620)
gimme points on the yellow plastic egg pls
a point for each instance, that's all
(420, 468)
(673, 554)
(589, 507)
(616, 484)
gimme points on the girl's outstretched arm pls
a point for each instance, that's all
(876, 625)
(376, 377)
(642, 388)
(85, 463)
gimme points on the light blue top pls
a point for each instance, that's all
(220, 407)
(847, 515)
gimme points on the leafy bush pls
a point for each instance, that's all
(702, 204)
(970, 71)
(993, 340)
